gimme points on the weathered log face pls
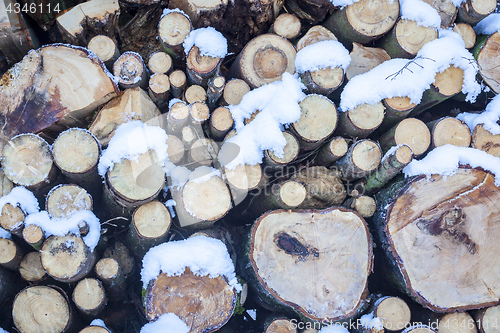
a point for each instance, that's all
(204, 303)
(55, 83)
(441, 237)
(320, 278)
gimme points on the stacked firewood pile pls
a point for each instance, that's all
(249, 166)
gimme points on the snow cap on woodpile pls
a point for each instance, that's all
(132, 139)
(202, 255)
(5, 234)
(489, 25)
(421, 12)
(322, 55)
(167, 322)
(445, 160)
(62, 227)
(489, 118)
(98, 322)
(371, 322)
(21, 197)
(277, 104)
(342, 3)
(210, 42)
(410, 78)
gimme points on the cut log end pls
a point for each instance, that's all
(201, 64)
(199, 112)
(104, 47)
(483, 140)
(174, 28)
(451, 131)
(449, 82)
(27, 161)
(458, 322)
(41, 308)
(130, 70)
(364, 58)
(288, 246)
(203, 303)
(318, 119)
(401, 104)
(195, 93)
(160, 63)
(10, 254)
(12, 219)
(364, 205)
(362, 120)
(287, 26)
(372, 18)
(89, 296)
(76, 151)
(107, 268)
(393, 312)
(244, 177)
(414, 133)
(234, 90)
(159, 85)
(207, 201)
(221, 121)
(281, 325)
(487, 61)
(33, 235)
(404, 154)
(411, 36)
(31, 268)
(152, 220)
(366, 155)
(315, 34)
(65, 200)
(467, 33)
(290, 152)
(265, 58)
(450, 221)
(66, 259)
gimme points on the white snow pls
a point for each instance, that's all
(98, 322)
(421, 12)
(446, 159)
(203, 255)
(130, 140)
(167, 11)
(167, 322)
(4, 233)
(489, 117)
(170, 205)
(3, 331)
(321, 55)
(410, 78)
(334, 328)
(489, 25)
(343, 3)
(174, 101)
(370, 322)
(203, 173)
(21, 197)
(278, 103)
(61, 227)
(210, 42)
(178, 175)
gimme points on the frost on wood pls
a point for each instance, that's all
(129, 141)
(62, 227)
(277, 105)
(202, 255)
(445, 160)
(410, 78)
(167, 322)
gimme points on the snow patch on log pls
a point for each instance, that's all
(410, 78)
(371, 322)
(167, 11)
(343, 3)
(21, 197)
(277, 104)
(322, 55)
(130, 140)
(62, 227)
(98, 322)
(421, 12)
(489, 118)
(203, 173)
(202, 255)
(167, 322)
(4, 234)
(489, 25)
(170, 203)
(210, 42)
(445, 160)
